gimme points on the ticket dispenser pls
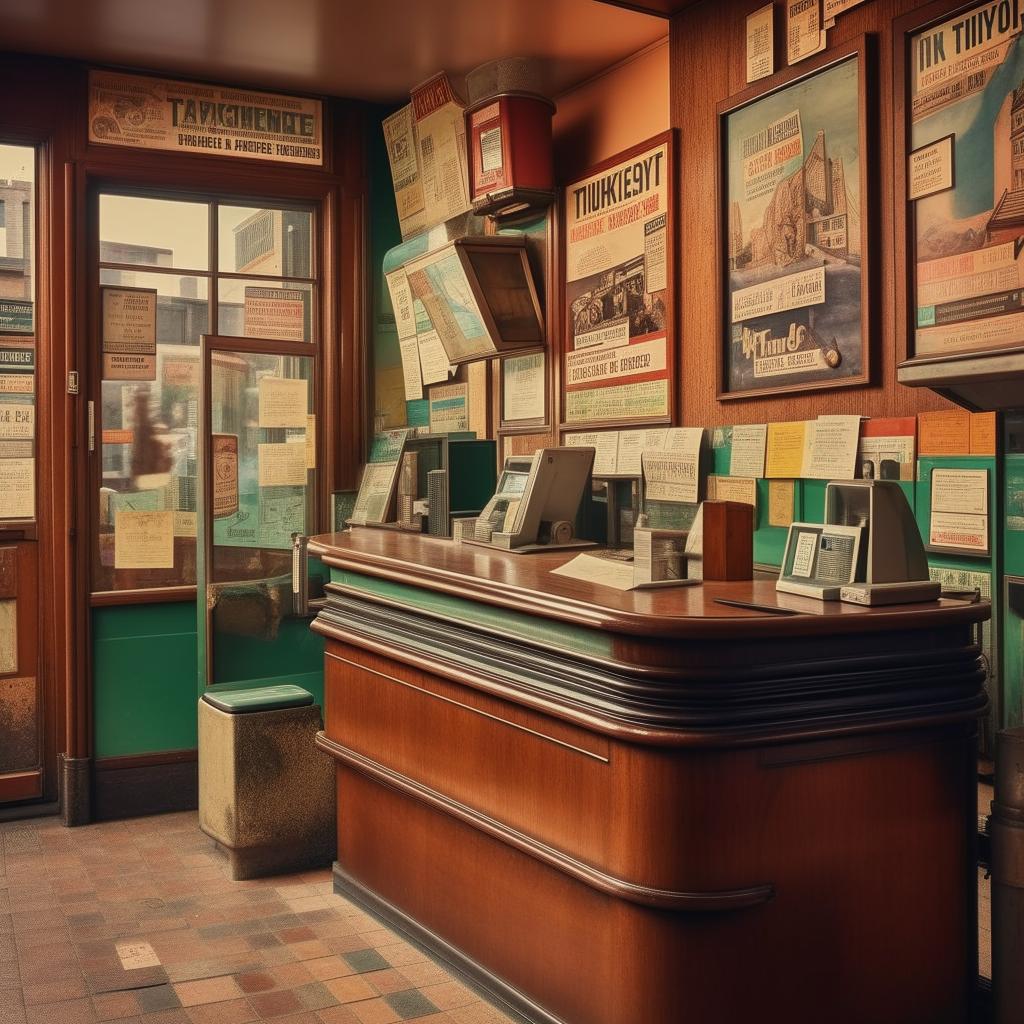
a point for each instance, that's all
(868, 551)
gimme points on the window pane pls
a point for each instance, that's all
(17, 329)
(154, 232)
(271, 242)
(182, 306)
(147, 442)
(258, 308)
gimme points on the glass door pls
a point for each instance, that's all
(25, 715)
(258, 501)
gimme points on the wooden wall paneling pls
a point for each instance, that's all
(708, 64)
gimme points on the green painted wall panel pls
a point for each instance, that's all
(144, 679)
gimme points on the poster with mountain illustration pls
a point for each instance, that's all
(966, 113)
(794, 312)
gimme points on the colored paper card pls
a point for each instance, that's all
(785, 452)
(781, 499)
(983, 433)
(947, 432)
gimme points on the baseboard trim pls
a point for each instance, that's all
(505, 997)
(136, 785)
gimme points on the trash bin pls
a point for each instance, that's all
(266, 794)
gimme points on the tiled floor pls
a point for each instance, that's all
(138, 921)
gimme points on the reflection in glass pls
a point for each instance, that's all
(154, 232)
(270, 242)
(17, 239)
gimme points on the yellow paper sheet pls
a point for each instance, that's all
(282, 465)
(785, 453)
(283, 402)
(143, 540)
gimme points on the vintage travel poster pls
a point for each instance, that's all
(793, 300)
(966, 85)
(618, 292)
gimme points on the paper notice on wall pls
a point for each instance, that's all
(785, 449)
(278, 313)
(761, 43)
(224, 450)
(126, 366)
(17, 421)
(781, 497)
(747, 450)
(8, 636)
(831, 448)
(310, 441)
(887, 449)
(733, 488)
(945, 432)
(805, 34)
(833, 8)
(143, 540)
(412, 380)
(184, 524)
(524, 388)
(400, 139)
(129, 320)
(449, 408)
(281, 465)
(441, 136)
(983, 433)
(434, 365)
(17, 488)
(633, 444)
(402, 303)
(605, 445)
(953, 530)
(374, 497)
(671, 477)
(960, 490)
(283, 402)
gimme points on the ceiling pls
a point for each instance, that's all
(365, 49)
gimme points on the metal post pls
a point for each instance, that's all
(1007, 830)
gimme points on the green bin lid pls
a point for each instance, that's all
(236, 700)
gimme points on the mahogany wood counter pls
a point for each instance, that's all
(649, 808)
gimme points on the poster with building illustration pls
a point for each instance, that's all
(794, 314)
(966, 114)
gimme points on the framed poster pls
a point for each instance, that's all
(618, 361)
(960, 178)
(793, 239)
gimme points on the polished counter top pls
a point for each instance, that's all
(525, 584)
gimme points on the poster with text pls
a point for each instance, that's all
(966, 117)
(619, 302)
(794, 314)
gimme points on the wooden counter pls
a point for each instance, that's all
(649, 808)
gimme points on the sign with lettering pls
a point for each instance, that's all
(186, 117)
